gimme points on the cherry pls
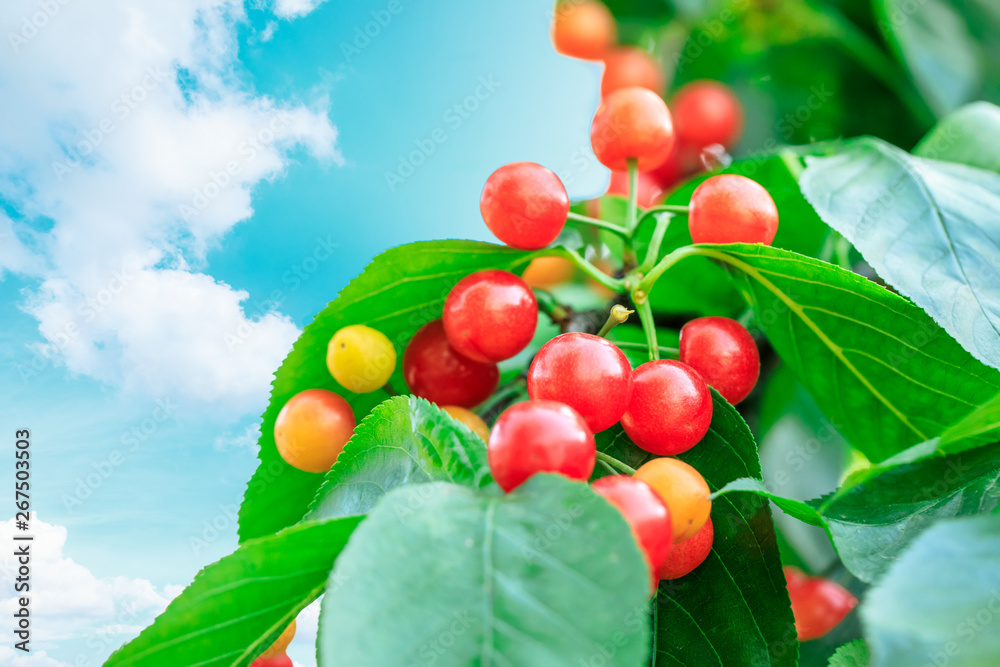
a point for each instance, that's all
(732, 209)
(670, 408)
(648, 191)
(684, 161)
(281, 660)
(588, 373)
(360, 358)
(632, 123)
(707, 112)
(540, 436)
(686, 556)
(436, 371)
(525, 205)
(723, 353)
(490, 315)
(548, 271)
(583, 29)
(629, 66)
(645, 512)
(470, 419)
(684, 491)
(818, 604)
(312, 429)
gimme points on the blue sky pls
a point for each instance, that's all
(138, 336)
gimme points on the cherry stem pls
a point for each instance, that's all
(613, 284)
(633, 195)
(619, 315)
(389, 390)
(653, 251)
(596, 222)
(548, 304)
(646, 284)
(615, 463)
(667, 208)
(608, 467)
(669, 352)
(649, 327)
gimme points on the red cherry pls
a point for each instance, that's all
(277, 661)
(525, 205)
(490, 316)
(648, 191)
(632, 123)
(670, 409)
(587, 373)
(628, 66)
(723, 353)
(707, 112)
(687, 555)
(540, 436)
(436, 371)
(732, 209)
(645, 512)
(818, 604)
(583, 29)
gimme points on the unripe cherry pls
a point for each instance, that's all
(724, 354)
(684, 491)
(360, 358)
(312, 428)
(473, 421)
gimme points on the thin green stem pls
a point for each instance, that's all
(607, 466)
(618, 315)
(667, 208)
(615, 463)
(668, 352)
(595, 222)
(649, 327)
(549, 305)
(654, 274)
(613, 284)
(633, 195)
(653, 251)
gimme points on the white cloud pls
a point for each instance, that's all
(136, 150)
(291, 9)
(13, 658)
(245, 440)
(68, 601)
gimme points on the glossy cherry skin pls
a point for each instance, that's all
(525, 205)
(629, 66)
(540, 436)
(818, 604)
(587, 373)
(583, 29)
(686, 556)
(724, 354)
(632, 123)
(732, 209)
(648, 191)
(490, 315)
(684, 491)
(645, 512)
(281, 660)
(707, 112)
(670, 409)
(312, 428)
(435, 370)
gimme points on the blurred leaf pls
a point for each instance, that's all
(405, 440)
(929, 228)
(969, 136)
(855, 654)
(981, 423)
(547, 575)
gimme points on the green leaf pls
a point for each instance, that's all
(882, 371)
(983, 422)
(400, 291)
(969, 136)
(741, 581)
(405, 440)
(928, 228)
(237, 607)
(547, 575)
(879, 512)
(855, 654)
(939, 603)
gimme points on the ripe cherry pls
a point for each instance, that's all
(525, 205)
(670, 408)
(629, 66)
(684, 161)
(281, 660)
(732, 209)
(583, 29)
(684, 491)
(686, 556)
(312, 429)
(540, 436)
(632, 123)
(548, 271)
(818, 604)
(588, 373)
(723, 353)
(707, 112)
(490, 315)
(648, 191)
(470, 419)
(360, 358)
(645, 512)
(436, 371)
